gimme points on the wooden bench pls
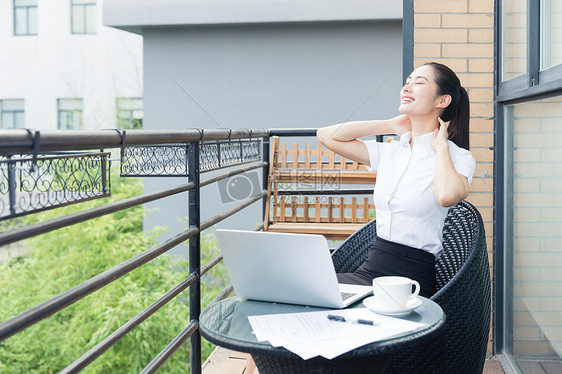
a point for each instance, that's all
(308, 192)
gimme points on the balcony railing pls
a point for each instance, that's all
(58, 168)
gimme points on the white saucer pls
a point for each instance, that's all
(373, 305)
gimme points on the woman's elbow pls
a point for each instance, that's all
(446, 202)
(321, 135)
(451, 192)
(448, 199)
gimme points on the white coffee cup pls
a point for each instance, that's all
(394, 292)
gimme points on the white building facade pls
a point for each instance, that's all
(61, 68)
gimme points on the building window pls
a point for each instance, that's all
(25, 17)
(70, 114)
(83, 16)
(529, 48)
(129, 113)
(12, 114)
(514, 38)
(529, 179)
(533, 221)
(551, 29)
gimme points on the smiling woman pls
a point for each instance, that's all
(418, 177)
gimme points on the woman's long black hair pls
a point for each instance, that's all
(458, 111)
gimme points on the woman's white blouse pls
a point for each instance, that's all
(407, 211)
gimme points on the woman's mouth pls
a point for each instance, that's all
(407, 99)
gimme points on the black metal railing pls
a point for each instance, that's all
(143, 153)
(187, 153)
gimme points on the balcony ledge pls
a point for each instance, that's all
(135, 15)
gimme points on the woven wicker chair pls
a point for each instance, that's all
(463, 291)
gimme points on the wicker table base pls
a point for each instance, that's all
(283, 365)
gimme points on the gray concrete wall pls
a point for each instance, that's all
(264, 76)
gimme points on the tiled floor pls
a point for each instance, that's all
(492, 366)
(224, 361)
(540, 367)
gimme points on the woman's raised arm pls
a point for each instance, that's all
(343, 138)
(450, 187)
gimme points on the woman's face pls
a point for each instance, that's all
(419, 95)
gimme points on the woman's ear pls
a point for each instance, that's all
(443, 101)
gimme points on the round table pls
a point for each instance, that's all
(226, 324)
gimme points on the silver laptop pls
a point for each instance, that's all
(285, 268)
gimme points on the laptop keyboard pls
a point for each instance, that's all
(347, 295)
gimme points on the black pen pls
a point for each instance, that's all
(331, 317)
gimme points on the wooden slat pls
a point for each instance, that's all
(272, 165)
(366, 210)
(282, 207)
(330, 209)
(342, 210)
(354, 209)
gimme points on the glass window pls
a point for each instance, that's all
(129, 113)
(551, 33)
(533, 233)
(84, 16)
(514, 57)
(25, 17)
(12, 114)
(70, 114)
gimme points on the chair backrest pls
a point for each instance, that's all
(463, 230)
(464, 293)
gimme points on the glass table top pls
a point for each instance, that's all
(226, 322)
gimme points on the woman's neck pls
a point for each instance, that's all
(422, 126)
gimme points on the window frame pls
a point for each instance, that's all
(27, 8)
(531, 86)
(13, 112)
(84, 4)
(534, 84)
(71, 112)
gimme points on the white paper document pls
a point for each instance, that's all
(312, 334)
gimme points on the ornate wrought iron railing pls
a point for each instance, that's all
(29, 184)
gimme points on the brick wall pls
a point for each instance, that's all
(460, 34)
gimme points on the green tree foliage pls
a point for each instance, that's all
(69, 256)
